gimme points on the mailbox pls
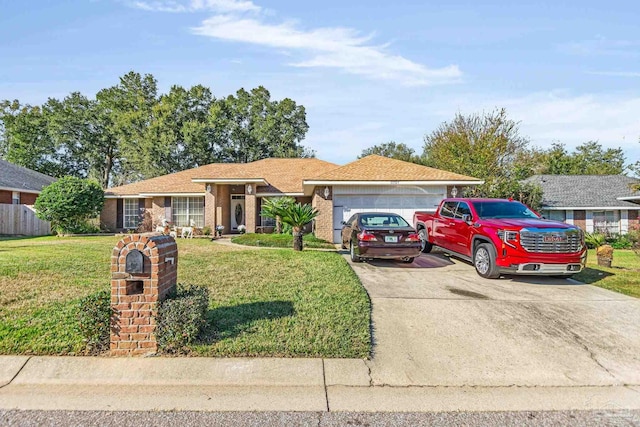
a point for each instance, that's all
(134, 262)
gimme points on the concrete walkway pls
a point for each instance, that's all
(261, 384)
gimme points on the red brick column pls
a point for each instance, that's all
(135, 296)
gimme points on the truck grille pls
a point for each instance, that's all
(566, 241)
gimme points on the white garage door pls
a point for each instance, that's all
(403, 200)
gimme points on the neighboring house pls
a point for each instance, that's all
(20, 186)
(605, 203)
(231, 194)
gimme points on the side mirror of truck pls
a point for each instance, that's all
(466, 218)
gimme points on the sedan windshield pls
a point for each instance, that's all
(383, 220)
(503, 210)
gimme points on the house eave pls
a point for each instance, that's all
(230, 181)
(151, 195)
(279, 194)
(20, 190)
(589, 208)
(331, 182)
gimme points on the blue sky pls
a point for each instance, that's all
(368, 72)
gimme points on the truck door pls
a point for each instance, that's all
(443, 226)
(461, 230)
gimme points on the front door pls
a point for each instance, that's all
(237, 211)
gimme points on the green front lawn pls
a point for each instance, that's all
(263, 303)
(623, 276)
(280, 241)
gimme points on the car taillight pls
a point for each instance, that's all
(413, 237)
(365, 236)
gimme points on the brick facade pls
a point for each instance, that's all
(135, 296)
(580, 219)
(6, 197)
(250, 205)
(108, 220)
(324, 220)
(634, 219)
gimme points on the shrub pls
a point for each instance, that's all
(594, 240)
(206, 230)
(620, 241)
(181, 318)
(94, 318)
(69, 203)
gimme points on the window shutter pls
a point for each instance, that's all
(167, 209)
(119, 213)
(141, 210)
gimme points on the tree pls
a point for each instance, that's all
(26, 140)
(589, 158)
(272, 207)
(482, 146)
(527, 193)
(297, 216)
(249, 127)
(392, 150)
(69, 203)
(131, 132)
(488, 147)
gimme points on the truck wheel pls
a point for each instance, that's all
(484, 260)
(352, 253)
(424, 241)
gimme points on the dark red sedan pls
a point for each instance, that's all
(380, 235)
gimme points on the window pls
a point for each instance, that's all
(556, 215)
(448, 209)
(463, 209)
(131, 213)
(382, 220)
(500, 209)
(607, 222)
(15, 198)
(185, 209)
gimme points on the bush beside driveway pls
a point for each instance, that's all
(263, 303)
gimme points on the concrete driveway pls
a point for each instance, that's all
(437, 323)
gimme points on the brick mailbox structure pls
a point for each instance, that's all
(144, 269)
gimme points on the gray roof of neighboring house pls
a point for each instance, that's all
(18, 178)
(585, 191)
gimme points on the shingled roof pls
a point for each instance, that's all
(585, 191)
(282, 175)
(379, 168)
(18, 178)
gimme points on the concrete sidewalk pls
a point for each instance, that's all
(264, 384)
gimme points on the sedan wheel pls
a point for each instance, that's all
(352, 252)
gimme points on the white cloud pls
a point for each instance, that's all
(615, 73)
(176, 6)
(341, 48)
(603, 46)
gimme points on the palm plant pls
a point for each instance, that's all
(271, 208)
(297, 216)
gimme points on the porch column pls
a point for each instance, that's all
(324, 220)
(250, 206)
(210, 207)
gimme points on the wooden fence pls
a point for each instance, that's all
(22, 220)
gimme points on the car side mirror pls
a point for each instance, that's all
(343, 222)
(466, 218)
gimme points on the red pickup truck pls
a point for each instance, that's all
(502, 237)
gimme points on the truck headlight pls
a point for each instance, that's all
(508, 236)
